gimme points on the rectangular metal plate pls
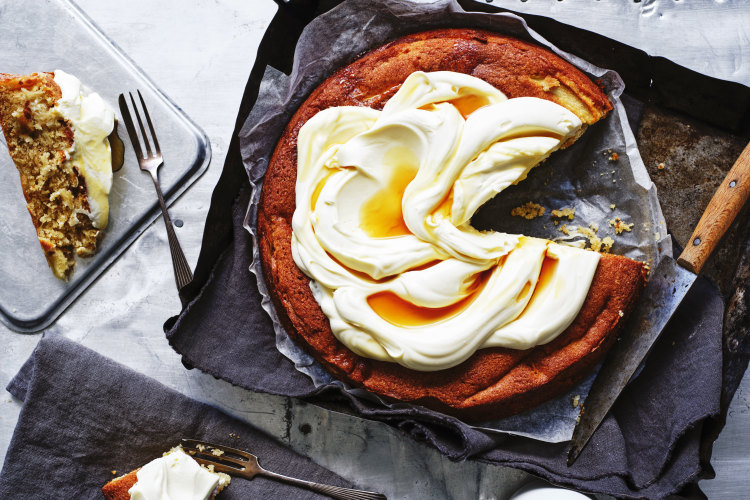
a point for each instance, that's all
(55, 34)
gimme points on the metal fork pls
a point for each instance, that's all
(151, 162)
(243, 464)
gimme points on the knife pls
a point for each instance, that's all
(667, 286)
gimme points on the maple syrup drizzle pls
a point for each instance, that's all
(117, 148)
(446, 206)
(549, 268)
(522, 294)
(359, 274)
(318, 189)
(467, 104)
(532, 133)
(400, 312)
(381, 215)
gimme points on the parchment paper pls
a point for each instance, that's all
(585, 176)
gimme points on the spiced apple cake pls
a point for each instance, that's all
(365, 233)
(174, 475)
(57, 136)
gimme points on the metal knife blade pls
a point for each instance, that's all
(667, 286)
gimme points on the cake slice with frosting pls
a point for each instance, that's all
(57, 135)
(174, 476)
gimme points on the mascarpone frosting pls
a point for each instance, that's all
(92, 121)
(382, 227)
(175, 476)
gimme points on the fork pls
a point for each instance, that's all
(243, 464)
(150, 163)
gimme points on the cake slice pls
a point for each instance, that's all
(175, 474)
(58, 138)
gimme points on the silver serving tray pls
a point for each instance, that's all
(56, 34)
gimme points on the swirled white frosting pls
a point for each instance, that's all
(382, 223)
(92, 120)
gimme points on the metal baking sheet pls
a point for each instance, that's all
(56, 34)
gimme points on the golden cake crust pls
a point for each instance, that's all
(117, 489)
(494, 382)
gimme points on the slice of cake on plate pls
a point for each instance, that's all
(57, 135)
(174, 476)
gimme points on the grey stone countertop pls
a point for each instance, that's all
(186, 48)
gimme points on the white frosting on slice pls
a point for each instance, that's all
(175, 476)
(92, 120)
(381, 226)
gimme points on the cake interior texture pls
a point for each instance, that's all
(39, 140)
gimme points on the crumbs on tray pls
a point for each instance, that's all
(620, 225)
(564, 212)
(528, 210)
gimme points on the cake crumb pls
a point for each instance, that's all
(622, 314)
(596, 243)
(620, 225)
(564, 212)
(528, 210)
(594, 240)
(614, 157)
(200, 447)
(217, 452)
(564, 229)
(114, 472)
(612, 206)
(660, 166)
(576, 400)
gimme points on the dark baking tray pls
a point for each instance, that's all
(693, 124)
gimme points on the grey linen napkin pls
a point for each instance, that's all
(85, 415)
(647, 447)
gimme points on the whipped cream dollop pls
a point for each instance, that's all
(175, 476)
(92, 121)
(382, 227)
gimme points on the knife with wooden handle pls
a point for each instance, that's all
(667, 286)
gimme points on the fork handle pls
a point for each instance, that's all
(182, 273)
(332, 491)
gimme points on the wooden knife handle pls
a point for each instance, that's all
(719, 215)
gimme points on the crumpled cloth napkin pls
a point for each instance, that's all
(85, 416)
(647, 447)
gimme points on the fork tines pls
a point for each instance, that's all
(129, 125)
(217, 455)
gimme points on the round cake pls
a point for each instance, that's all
(365, 236)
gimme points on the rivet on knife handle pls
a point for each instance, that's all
(719, 215)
